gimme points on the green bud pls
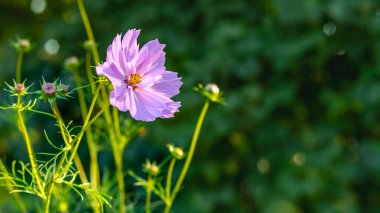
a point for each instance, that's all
(151, 168)
(22, 45)
(213, 89)
(89, 45)
(71, 63)
(176, 152)
(212, 92)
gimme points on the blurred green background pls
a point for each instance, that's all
(301, 131)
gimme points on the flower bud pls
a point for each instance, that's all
(49, 89)
(71, 63)
(213, 89)
(64, 89)
(176, 152)
(151, 168)
(212, 92)
(88, 45)
(22, 45)
(19, 88)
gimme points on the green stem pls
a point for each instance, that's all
(191, 152)
(168, 201)
(30, 149)
(68, 141)
(115, 114)
(118, 156)
(94, 168)
(169, 177)
(18, 66)
(148, 195)
(167, 207)
(47, 202)
(117, 151)
(9, 185)
(88, 28)
(66, 138)
(120, 176)
(85, 124)
(77, 140)
(88, 67)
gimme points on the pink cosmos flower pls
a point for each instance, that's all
(142, 85)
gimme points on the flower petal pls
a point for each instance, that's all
(168, 84)
(111, 72)
(151, 59)
(122, 98)
(149, 105)
(129, 44)
(172, 107)
(114, 49)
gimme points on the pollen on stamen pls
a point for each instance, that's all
(133, 79)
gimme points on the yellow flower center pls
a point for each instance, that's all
(134, 79)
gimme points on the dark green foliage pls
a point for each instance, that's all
(301, 81)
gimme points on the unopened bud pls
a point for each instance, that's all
(22, 45)
(212, 92)
(71, 63)
(88, 45)
(49, 89)
(19, 88)
(176, 152)
(213, 89)
(151, 168)
(64, 89)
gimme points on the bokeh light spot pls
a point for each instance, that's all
(38, 6)
(299, 158)
(263, 166)
(329, 29)
(51, 46)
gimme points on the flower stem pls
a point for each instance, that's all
(19, 65)
(120, 176)
(189, 155)
(68, 140)
(94, 168)
(88, 67)
(29, 148)
(117, 151)
(118, 156)
(168, 202)
(48, 199)
(115, 114)
(148, 195)
(9, 185)
(85, 124)
(77, 141)
(88, 28)
(169, 177)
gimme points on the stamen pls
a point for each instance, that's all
(133, 79)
